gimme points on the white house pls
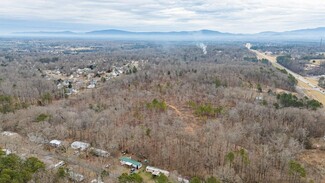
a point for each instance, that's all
(80, 145)
(156, 171)
(56, 143)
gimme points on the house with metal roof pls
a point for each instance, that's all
(130, 162)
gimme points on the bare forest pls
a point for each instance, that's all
(195, 113)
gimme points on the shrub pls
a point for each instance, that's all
(292, 80)
(217, 83)
(162, 179)
(10, 104)
(264, 61)
(133, 178)
(212, 180)
(6, 104)
(61, 173)
(205, 110)
(195, 180)
(259, 88)
(46, 98)
(157, 105)
(289, 100)
(296, 169)
(42, 117)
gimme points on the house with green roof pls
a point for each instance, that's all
(130, 162)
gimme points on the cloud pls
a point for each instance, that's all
(244, 16)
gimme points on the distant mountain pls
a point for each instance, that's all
(110, 31)
(267, 33)
(317, 32)
(173, 33)
(302, 34)
(45, 32)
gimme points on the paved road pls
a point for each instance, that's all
(308, 88)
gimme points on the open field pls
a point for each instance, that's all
(308, 85)
(317, 61)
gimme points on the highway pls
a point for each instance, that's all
(309, 88)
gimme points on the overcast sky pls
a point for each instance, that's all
(236, 16)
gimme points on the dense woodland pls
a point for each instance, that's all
(198, 115)
(15, 169)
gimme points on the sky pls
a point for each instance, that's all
(235, 16)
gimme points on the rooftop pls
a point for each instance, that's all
(127, 159)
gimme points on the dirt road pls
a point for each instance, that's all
(307, 85)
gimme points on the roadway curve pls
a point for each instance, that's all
(304, 83)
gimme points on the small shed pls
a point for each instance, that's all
(130, 162)
(80, 145)
(55, 143)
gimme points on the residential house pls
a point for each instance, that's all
(80, 145)
(156, 171)
(55, 143)
(130, 162)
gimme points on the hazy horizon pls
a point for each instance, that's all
(148, 15)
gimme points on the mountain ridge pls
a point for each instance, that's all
(204, 34)
(202, 31)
